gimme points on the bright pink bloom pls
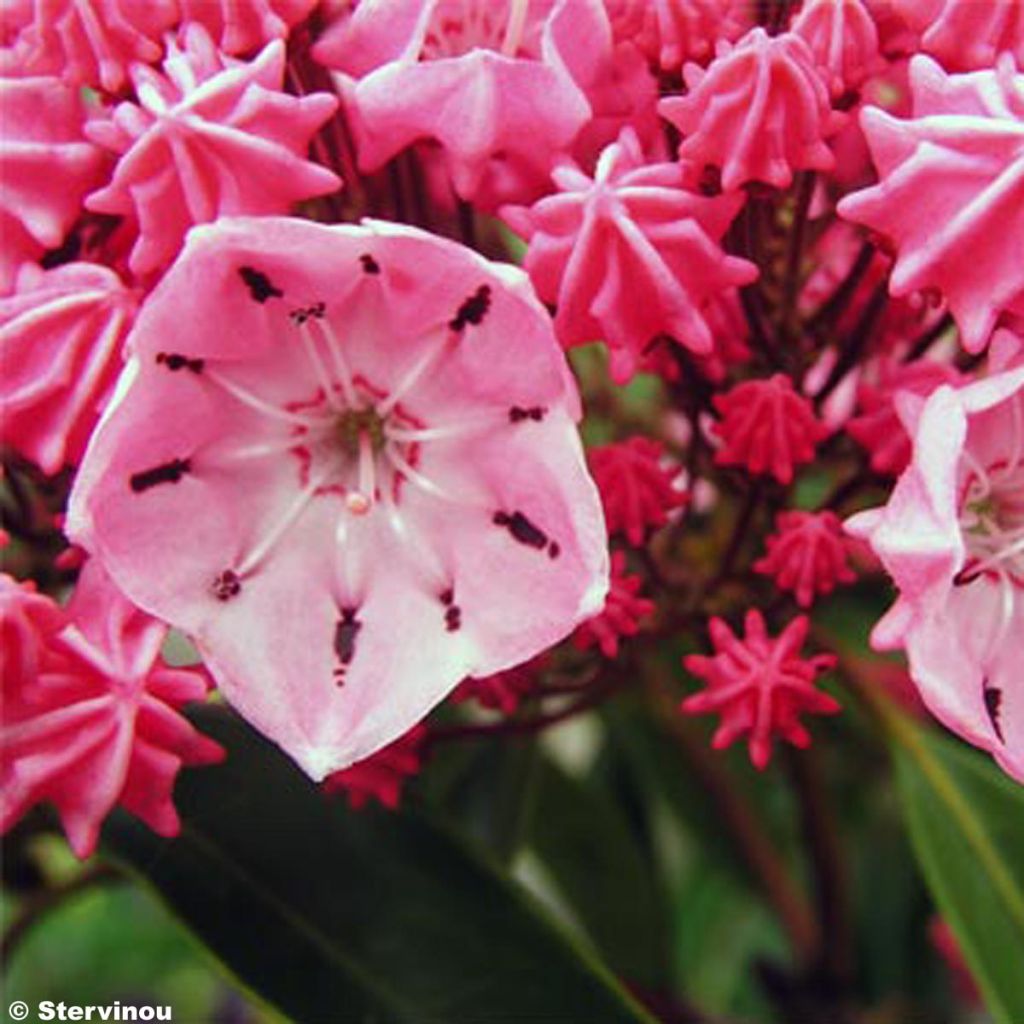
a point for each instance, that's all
(952, 538)
(61, 337)
(877, 427)
(493, 83)
(806, 555)
(46, 167)
(951, 197)
(966, 35)
(672, 32)
(760, 685)
(766, 427)
(637, 490)
(209, 138)
(760, 112)
(243, 26)
(382, 776)
(93, 42)
(503, 691)
(364, 433)
(96, 723)
(629, 231)
(622, 616)
(28, 620)
(842, 36)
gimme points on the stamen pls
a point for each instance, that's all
(360, 502)
(514, 27)
(412, 376)
(258, 404)
(444, 431)
(414, 476)
(259, 451)
(341, 368)
(289, 516)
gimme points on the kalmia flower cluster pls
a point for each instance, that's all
(264, 337)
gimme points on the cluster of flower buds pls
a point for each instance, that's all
(269, 365)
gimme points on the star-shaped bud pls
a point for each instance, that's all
(760, 112)
(382, 776)
(760, 685)
(843, 38)
(209, 137)
(638, 490)
(622, 616)
(242, 26)
(62, 333)
(94, 720)
(46, 167)
(964, 151)
(93, 42)
(630, 230)
(807, 555)
(767, 427)
(332, 437)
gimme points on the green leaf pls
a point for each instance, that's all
(583, 840)
(967, 825)
(356, 917)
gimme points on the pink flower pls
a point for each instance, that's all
(503, 690)
(209, 138)
(494, 84)
(637, 491)
(622, 616)
(383, 775)
(952, 538)
(877, 427)
(951, 197)
(95, 722)
(671, 32)
(760, 112)
(759, 685)
(842, 36)
(93, 42)
(630, 230)
(27, 622)
(46, 167)
(766, 427)
(365, 435)
(963, 34)
(807, 555)
(62, 334)
(242, 26)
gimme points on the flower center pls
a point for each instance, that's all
(993, 522)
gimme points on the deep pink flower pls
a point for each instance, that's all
(952, 538)
(760, 685)
(672, 32)
(96, 722)
(243, 26)
(806, 555)
(93, 42)
(877, 427)
(760, 112)
(208, 138)
(951, 197)
(28, 620)
(46, 167)
(503, 691)
(843, 38)
(766, 427)
(637, 490)
(364, 434)
(61, 337)
(966, 35)
(383, 775)
(493, 83)
(623, 614)
(631, 230)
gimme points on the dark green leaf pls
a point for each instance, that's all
(352, 918)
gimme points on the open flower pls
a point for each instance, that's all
(345, 461)
(951, 195)
(91, 719)
(210, 137)
(952, 538)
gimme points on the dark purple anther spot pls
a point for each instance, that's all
(260, 286)
(370, 265)
(168, 473)
(453, 618)
(522, 529)
(226, 585)
(554, 550)
(345, 633)
(517, 414)
(473, 310)
(315, 312)
(993, 703)
(174, 362)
